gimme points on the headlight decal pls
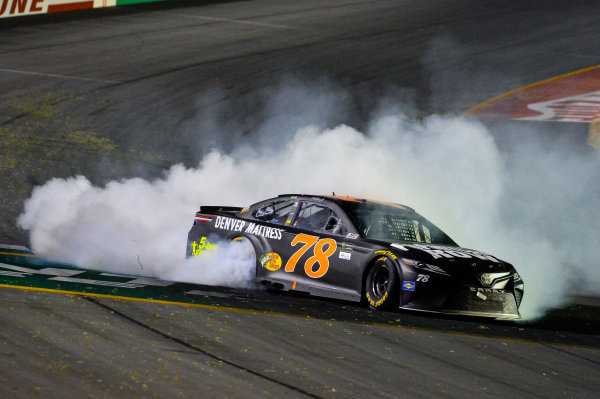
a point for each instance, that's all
(424, 266)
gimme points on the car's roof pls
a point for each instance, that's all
(344, 200)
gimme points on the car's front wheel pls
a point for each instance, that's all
(381, 284)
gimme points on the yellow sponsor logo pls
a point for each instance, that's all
(271, 261)
(198, 248)
(379, 302)
(388, 253)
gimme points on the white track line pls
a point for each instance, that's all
(16, 247)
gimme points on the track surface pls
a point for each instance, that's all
(133, 76)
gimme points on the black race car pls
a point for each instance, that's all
(384, 254)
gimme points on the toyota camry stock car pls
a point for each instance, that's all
(383, 254)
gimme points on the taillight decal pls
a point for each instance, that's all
(203, 218)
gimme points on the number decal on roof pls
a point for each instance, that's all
(320, 255)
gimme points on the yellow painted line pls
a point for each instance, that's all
(508, 93)
(17, 254)
(127, 298)
(269, 313)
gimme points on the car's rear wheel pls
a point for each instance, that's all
(245, 251)
(381, 284)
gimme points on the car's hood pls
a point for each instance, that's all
(451, 259)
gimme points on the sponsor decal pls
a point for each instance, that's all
(271, 261)
(293, 197)
(388, 253)
(244, 210)
(492, 294)
(439, 251)
(230, 224)
(408, 285)
(352, 236)
(487, 290)
(346, 255)
(379, 302)
(320, 256)
(346, 246)
(198, 248)
(18, 7)
(581, 108)
(264, 231)
(11, 8)
(225, 223)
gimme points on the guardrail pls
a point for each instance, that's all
(16, 8)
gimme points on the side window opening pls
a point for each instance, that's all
(319, 218)
(278, 212)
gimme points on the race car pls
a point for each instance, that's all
(383, 254)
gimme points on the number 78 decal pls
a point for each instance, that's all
(320, 256)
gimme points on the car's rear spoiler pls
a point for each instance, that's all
(215, 209)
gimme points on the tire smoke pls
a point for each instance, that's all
(449, 169)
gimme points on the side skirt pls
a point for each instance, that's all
(333, 292)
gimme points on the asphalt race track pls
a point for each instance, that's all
(115, 93)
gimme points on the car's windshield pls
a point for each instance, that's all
(388, 223)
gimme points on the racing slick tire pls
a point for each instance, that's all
(381, 284)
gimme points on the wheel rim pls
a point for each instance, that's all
(381, 282)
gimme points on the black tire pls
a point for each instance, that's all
(381, 284)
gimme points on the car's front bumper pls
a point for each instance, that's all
(483, 302)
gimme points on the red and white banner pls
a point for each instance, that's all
(581, 108)
(574, 97)
(14, 8)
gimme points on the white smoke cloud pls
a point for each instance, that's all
(231, 264)
(448, 168)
